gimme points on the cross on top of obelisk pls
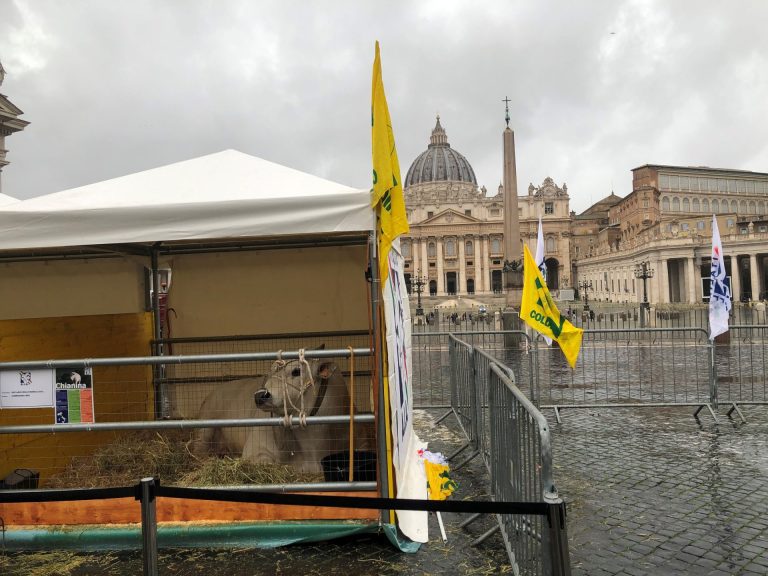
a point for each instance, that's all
(506, 103)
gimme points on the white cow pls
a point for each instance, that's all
(314, 386)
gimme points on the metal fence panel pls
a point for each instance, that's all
(521, 470)
(223, 420)
(634, 366)
(741, 363)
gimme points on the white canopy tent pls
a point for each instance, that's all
(226, 195)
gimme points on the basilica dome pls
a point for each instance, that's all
(439, 162)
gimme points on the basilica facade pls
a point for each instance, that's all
(456, 240)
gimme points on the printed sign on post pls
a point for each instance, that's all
(74, 395)
(26, 388)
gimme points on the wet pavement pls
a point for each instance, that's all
(654, 491)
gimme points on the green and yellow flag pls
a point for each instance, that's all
(538, 310)
(387, 192)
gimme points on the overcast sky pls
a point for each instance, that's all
(596, 88)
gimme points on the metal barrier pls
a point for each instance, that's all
(512, 436)
(630, 368)
(122, 402)
(431, 367)
(521, 469)
(741, 365)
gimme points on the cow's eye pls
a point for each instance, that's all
(296, 372)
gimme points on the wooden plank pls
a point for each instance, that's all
(128, 511)
(121, 393)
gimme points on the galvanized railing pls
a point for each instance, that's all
(512, 436)
(630, 368)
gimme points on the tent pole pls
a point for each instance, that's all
(157, 348)
(381, 428)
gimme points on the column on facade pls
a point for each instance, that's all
(477, 257)
(486, 266)
(754, 277)
(424, 260)
(440, 274)
(462, 279)
(415, 258)
(735, 279)
(664, 281)
(691, 280)
(654, 291)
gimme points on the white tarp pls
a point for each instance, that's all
(224, 195)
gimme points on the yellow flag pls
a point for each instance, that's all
(387, 192)
(538, 310)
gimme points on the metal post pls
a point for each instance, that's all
(644, 271)
(558, 540)
(157, 370)
(148, 526)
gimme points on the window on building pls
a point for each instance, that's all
(495, 211)
(549, 207)
(741, 186)
(722, 185)
(743, 207)
(750, 186)
(753, 207)
(430, 214)
(763, 228)
(450, 248)
(700, 225)
(406, 247)
(646, 202)
(663, 181)
(684, 184)
(732, 186)
(744, 231)
(468, 212)
(696, 205)
(761, 207)
(668, 228)
(734, 206)
(705, 205)
(684, 226)
(469, 248)
(431, 250)
(431, 264)
(469, 262)
(665, 204)
(675, 204)
(495, 246)
(715, 205)
(408, 265)
(674, 183)
(729, 222)
(577, 250)
(712, 184)
(686, 205)
(496, 262)
(550, 245)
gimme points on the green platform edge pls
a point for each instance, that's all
(251, 534)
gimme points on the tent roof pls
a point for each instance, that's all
(226, 195)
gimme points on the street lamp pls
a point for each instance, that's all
(585, 285)
(644, 271)
(417, 284)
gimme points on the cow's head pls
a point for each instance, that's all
(293, 385)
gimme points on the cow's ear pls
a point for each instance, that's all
(326, 370)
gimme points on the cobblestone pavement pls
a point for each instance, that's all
(359, 556)
(653, 491)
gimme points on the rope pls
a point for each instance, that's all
(306, 381)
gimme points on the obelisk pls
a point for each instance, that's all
(513, 252)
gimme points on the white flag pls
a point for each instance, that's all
(719, 292)
(542, 265)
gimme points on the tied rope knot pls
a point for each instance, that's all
(306, 381)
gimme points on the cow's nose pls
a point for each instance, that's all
(261, 397)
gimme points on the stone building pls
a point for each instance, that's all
(10, 123)
(456, 241)
(667, 221)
